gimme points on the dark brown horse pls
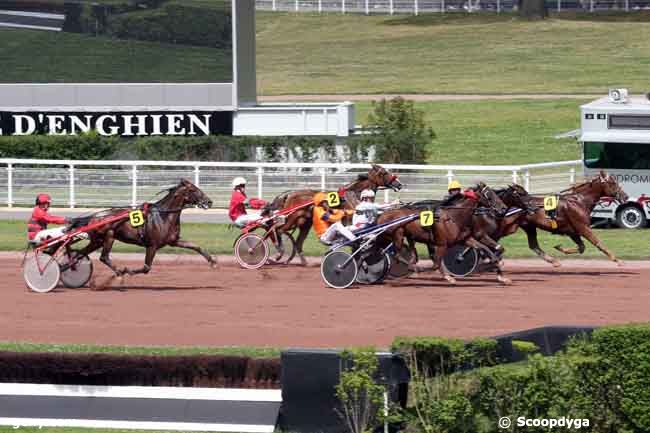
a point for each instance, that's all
(454, 225)
(573, 215)
(377, 178)
(161, 227)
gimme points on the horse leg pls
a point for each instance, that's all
(496, 260)
(579, 243)
(190, 246)
(107, 246)
(533, 244)
(440, 251)
(591, 237)
(303, 227)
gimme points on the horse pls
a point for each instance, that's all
(573, 215)
(161, 227)
(454, 224)
(377, 178)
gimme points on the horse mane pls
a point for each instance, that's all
(362, 176)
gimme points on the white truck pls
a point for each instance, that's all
(615, 134)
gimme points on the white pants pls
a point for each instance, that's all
(337, 229)
(246, 218)
(44, 235)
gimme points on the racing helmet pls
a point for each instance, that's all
(367, 193)
(238, 181)
(319, 197)
(43, 198)
(454, 184)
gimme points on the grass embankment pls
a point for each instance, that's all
(451, 53)
(218, 239)
(498, 132)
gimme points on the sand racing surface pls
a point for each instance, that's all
(183, 302)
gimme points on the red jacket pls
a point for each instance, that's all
(39, 221)
(238, 206)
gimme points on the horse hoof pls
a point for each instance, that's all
(556, 263)
(303, 260)
(450, 279)
(620, 263)
(213, 264)
(505, 281)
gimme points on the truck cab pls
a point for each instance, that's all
(615, 137)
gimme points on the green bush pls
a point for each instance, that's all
(399, 132)
(446, 355)
(90, 146)
(523, 349)
(177, 23)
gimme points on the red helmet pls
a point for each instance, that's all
(43, 198)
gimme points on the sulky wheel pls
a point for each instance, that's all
(251, 251)
(460, 260)
(399, 263)
(373, 267)
(75, 270)
(41, 272)
(283, 251)
(339, 269)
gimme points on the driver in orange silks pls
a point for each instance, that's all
(324, 219)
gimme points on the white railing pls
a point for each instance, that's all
(426, 6)
(126, 183)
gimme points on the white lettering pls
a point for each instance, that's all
(156, 124)
(203, 126)
(55, 125)
(174, 124)
(77, 123)
(101, 127)
(141, 125)
(521, 421)
(29, 128)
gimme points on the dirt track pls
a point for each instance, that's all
(187, 304)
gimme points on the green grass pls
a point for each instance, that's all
(218, 239)
(451, 53)
(133, 350)
(498, 132)
(71, 57)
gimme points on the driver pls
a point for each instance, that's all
(37, 230)
(239, 201)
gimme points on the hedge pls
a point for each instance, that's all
(209, 148)
(130, 370)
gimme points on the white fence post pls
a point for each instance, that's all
(297, 7)
(527, 180)
(10, 185)
(416, 7)
(559, 5)
(498, 6)
(367, 8)
(572, 175)
(627, 5)
(591, 5)
(134, 185)
(391, 7)
(450, 176)
(442, 6)
(342, 6)
(320, 6)
(197, 175)
(386, 195)
(71, 201)
(323, 180)
(260, 182)
(273, 6)
(514, 176)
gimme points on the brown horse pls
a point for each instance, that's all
(161, 227)
(573, 215)
(454, 224)
(377, 178)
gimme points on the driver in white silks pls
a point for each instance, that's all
(365, 214)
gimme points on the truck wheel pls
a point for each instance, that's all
(631, 217)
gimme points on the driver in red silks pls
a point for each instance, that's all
(239, 201)
(37, 230)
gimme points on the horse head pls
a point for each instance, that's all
(192, 195)
(516, 195)
(488, 197)
(383, 178)
(610, 187)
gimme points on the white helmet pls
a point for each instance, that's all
(238, 181)
(367, 193)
